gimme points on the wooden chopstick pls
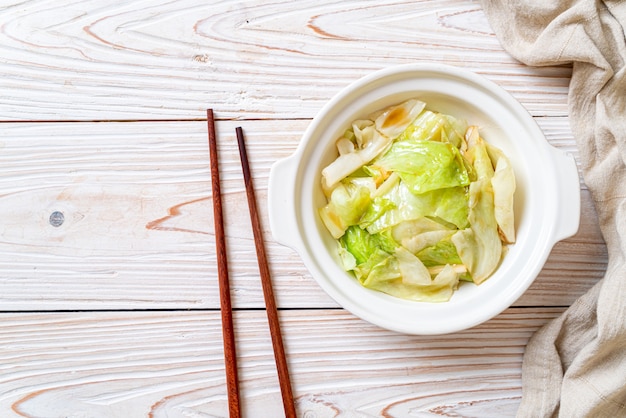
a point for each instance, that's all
(266, 281)
(228, 334)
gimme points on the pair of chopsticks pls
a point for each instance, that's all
(230, 353)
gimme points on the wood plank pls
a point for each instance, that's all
(85, 60)
(115, 312)
(170, 364)
(138, 229)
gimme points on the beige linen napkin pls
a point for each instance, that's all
(575, 366)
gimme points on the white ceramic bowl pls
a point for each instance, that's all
(547, 199)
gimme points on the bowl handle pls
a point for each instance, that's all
(568, 195)
(281, 201)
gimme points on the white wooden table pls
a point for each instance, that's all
(115, 312)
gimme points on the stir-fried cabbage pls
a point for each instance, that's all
(418, 201)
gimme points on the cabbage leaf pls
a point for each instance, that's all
(425, 165)
(379, 263)
(345, 207)
(417, 201)
(349, 162)
(449, 205)
(503, 183)
(440, 288)
(479, 246)
(394, 120)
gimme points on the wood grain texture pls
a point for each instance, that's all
(280, 359)
(89, 60)
(115, 313)
(159, 364)
(226, 310)
(138, 230)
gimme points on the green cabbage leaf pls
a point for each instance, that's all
(417, 202)
(425, 165)
(346, 205)
(379, 263)
(479, 246)
(449, 205)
